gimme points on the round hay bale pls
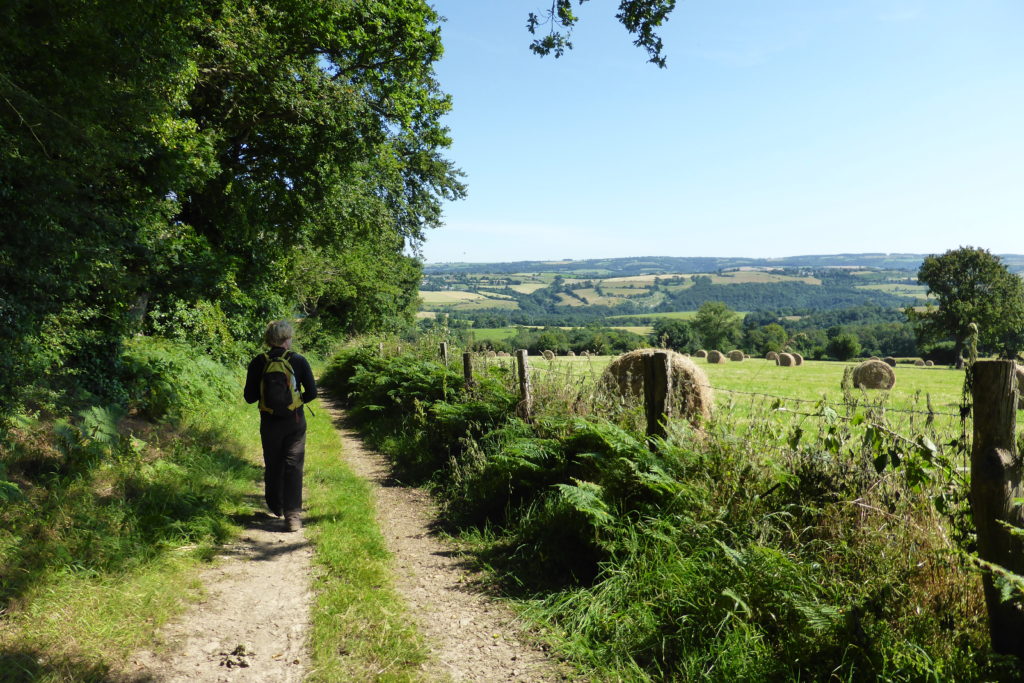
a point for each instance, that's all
(492, 354)
(571, 353)
(584, 353)
(692, 395)
(701, 354)
(716, 357)
(874, 358)
(549, 354)
(736, 355)
(785, 360)
(504, 354)
(797, 358)
(919, 363)
(929, 363)
(890, 361)
(771, 355)
(874, 374)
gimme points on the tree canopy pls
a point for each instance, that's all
(717, 324)
(971, 286)
(640, 17)
(197, 168)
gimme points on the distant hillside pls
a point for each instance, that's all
(654, 265)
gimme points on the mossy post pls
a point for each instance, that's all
(444, 353)
(995, 484)
(467, 368)
(657, 390)
(525, 407)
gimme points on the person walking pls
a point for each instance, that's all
(281, 381)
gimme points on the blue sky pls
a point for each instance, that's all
(778, 128)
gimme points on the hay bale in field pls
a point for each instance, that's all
(492, 354)
(771, 355)
(736, 354)
(716, 357)
(692, 396)
(874, 374)
(503, 354)
(919, 363)
(797, 358)
(584, 353)
(785, 360)
(701, 354)
(890, 361)
(874, 358)
(548, 354)
(571, 353)
(929, 363)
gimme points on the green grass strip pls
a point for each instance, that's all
(360, 630)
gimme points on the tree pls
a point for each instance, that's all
(717, 324)
(182, 166)
(640, 17)
(843, 346)
(677, 335)
(770, 337)
(970, 285)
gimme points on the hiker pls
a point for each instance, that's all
(281, 381)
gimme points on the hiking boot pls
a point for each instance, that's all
(293, 521)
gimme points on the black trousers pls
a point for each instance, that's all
(284, 453)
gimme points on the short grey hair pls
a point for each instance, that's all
(278, 332)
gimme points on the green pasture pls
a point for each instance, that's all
(898, 288)
(493, 333)
(753, 386)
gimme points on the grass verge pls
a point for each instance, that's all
(100, 549)
(359, 627)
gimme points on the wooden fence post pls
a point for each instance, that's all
(657, 390)
(444, 353)
(525, 408)
(995, 483)
(467, 368)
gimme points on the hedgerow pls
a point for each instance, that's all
(707, 555)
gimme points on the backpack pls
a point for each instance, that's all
(279, 390)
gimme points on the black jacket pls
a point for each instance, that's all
(303, 375)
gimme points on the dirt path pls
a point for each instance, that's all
(472, 637)
(252, 624)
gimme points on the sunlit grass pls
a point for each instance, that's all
(360, 631)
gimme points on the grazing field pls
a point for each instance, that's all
(457, 300)
(528, 287)
(746, 388)
(447, 297)
(493, 333)
(758, 276)
(898, 288)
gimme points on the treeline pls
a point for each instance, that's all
(837, 335)
(749, 296)
(195, 169)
